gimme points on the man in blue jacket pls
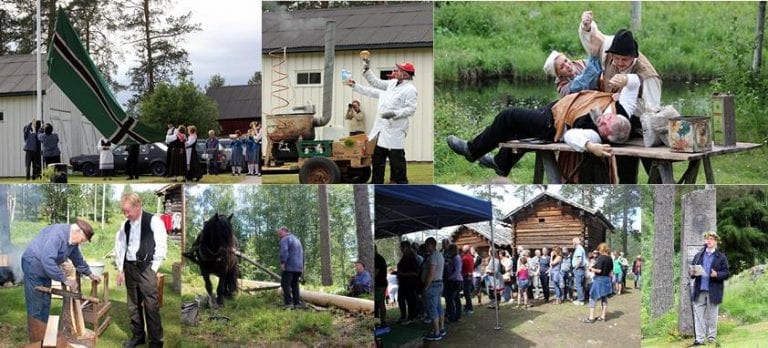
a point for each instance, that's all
(40, 263)
(291, 267)
(708, 287)
(361, 282)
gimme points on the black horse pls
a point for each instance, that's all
(214, 251)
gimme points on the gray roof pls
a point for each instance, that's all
(237, 102)
(17, 75)
(501, 235)
(357, 27)
(541, 196)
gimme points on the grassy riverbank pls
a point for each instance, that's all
(479, 40)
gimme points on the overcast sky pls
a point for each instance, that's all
(228, 44)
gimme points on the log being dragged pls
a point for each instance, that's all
(351, 304)
(259, 266)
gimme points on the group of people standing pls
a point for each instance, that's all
(182, 158)
(246, 150)
(40, 144)
(424, 274)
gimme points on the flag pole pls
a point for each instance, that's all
(38, 35)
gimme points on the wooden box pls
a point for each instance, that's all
(689, 134)
(723, 119)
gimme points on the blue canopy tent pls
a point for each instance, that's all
(401, 209)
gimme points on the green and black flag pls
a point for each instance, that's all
(70, 67)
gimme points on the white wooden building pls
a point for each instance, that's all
(17, 108)
(391, 33)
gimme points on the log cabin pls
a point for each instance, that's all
(548, 220)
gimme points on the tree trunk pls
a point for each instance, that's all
(699, 215)
(757, 60)
(148, 42)
(325, 235)
(363, 224)
(662, 284)
(625, 222)
(636, 16)
(51, 24)
(5, 221)
(103, 203)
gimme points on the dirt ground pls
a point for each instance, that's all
(545, 324)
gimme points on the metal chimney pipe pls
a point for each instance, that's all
(330, 52)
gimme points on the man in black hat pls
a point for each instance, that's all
(621, 56)
(41, 264)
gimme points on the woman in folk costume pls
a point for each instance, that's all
(238, 156)
(193, 162)
(258, 137)
(178, 157)
(106, 158)
(250, 149)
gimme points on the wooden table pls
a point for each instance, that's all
(661, 159)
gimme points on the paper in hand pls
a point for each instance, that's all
(697, 270)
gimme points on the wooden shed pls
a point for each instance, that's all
(238, 106)
(478, 235)
(17, 108)
(391, 32)
(548, 220)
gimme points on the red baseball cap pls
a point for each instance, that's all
(407, 67)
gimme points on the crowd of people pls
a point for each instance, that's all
(246, 150)
(41, 148)
(424, 273)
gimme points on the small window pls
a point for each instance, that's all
(541, 220)
(384, 74)
(308, 78)
(1, 117)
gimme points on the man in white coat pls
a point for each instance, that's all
(397, 102)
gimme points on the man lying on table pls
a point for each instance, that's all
(586, 120)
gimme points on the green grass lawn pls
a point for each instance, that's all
(512, 39)
(418, 173)
(13, 310)
(742, 320)
(258, 319)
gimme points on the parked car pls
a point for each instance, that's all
(223, 159)
(151, 160)
(226, 143)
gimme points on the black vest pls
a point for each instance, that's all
(146, 252)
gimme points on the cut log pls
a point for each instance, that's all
(51, 331)
(77, 318)
(321, 299)
(259, 266)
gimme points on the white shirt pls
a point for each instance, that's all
(494, 269)
(191, 141)
(170, 135)
(651, 100)
(129, 251)
(577, 138)
(394, 97)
